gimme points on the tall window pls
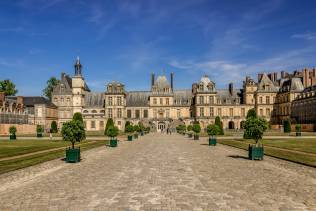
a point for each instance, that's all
(119, 113)
(267, 99)
(260, 100)
(211, 99)
(261, 112)
(219, 112)
(155, 101)
(212, 111)
(202, 112)
(129, 113)
(268, 112)
(137, 113)
(231, 112)
(145, 113)
(93, 124)
(110, 113)
(110, 101)
(101, 124)
(201, 99)
(243, 113)
(161, 101)
(167, 101)
(119, 101)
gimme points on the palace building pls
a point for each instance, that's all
(162, 105)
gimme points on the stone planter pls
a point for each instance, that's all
(130, 138)
(73, 155)
(196, 137)
(39, 135)
(12, 137)
(255, 152)
(113, 143)
(212, 141)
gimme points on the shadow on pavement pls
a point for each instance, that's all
(238, 157)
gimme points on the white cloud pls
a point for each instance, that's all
(306, 36)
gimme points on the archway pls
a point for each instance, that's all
(161, 125)
(231, 125)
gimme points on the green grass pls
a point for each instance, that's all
(300, 146)
(18, 163)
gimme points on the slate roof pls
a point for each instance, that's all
(32, 100)
(227, 98)
(293, 84)
(94, 100)
(266, 85)
(137, 98)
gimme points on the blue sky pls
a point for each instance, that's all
(127, 40)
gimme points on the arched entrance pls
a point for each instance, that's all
(161, 125)
(231, 125)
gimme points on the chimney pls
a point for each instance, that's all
(283, 74)
(63, 75)
(271, 76)
(2, 97)
(152, 79)
(171, 80)
(260, 76)
(275, 76)
(231, 88)
(247, 78)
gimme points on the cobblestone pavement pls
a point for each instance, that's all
(161, 172)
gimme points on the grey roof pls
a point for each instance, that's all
(266, 85)
(227, 98)
(64, 87)
(31, 101)
(94, 100)
(293, 84)
(182, 96)
(137, 98)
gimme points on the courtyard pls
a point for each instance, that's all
(161, 172)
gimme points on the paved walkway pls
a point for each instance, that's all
(161, 172)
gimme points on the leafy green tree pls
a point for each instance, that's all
(112, 131)
(129, 129)
(213, 130)
(12, 130)
(189, 128)
(39, 129)
(8, 87)
(109, 123)
(53, 127)
(50, 84)
(127, 123)
(287, 126)
(255, 127)
(77, 116)
(251, 113)
(73, 131)
(219, 123)
(137, 128)
(196, 128)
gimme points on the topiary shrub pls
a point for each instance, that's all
(12, 130)
(77, 116)
(73, 131)
(196, 128)
(219, 123)
(213, 130)
(286, 126)
(109, 123)
(53, 127)
(255, 127)
(112, 132)
(129, 129)
(39, 129)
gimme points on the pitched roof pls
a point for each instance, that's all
(31, 101)
(94, 99)
(137, 98)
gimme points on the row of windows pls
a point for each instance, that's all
(110, 101)
(93, 111)
(161, 101)
(206, 100)
(137, 113)
(268, 100)
(61, 100)
(92, 124)
(219, 112)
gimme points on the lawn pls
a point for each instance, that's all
(300, 148)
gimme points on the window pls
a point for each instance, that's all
(85, 124)
(101, 124)
(129, 113)
(119, 113)
(201, 100)
(110, 101)
(119, 101)
(167, 113)
(219, 112)
(167, 101)
(260, 100)
(202, 112)
(137, 114)
(261, 112)
(212, 111)
(155, 101)
(93, 124)
(110, 112)
(211, 99)
(178, 113)
(243, 112)
(268, 112)
(145, 113)
(55, 100)
(161, 101)
(267, 99)
(231, 112)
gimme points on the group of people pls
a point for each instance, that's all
(168, 131)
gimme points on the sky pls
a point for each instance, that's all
(127, 40)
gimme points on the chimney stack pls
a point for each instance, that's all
(283, 74)
(152, 79)
(260, 76)
(231, 88)
(171, 80)
(275, 76)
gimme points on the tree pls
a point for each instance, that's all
(50, 84)
(137, 128)
(255, 127)
(213, 130)
(129, 129)
(53, 127)
(12, 130)
(287, 126)
(219, 123)
(8, 87)
(112, 131)
(251, 113)
(196, 128)
(189, 128)
(77, 116)
(73, 131)
(108, 124)
(39, 129)
(127, 123)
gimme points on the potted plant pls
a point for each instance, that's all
(136, 130)
(255, 127)
(112, 132)
(298, 129)
(220, 125)
(12, 131)
(212, 131)
(129, 129)
(287, 126)
(196, 129)
(189, 129)
(39, 131)
(73, 131)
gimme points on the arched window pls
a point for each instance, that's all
(93, 111)
(85, 111)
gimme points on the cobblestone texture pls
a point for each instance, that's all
(161, 172)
